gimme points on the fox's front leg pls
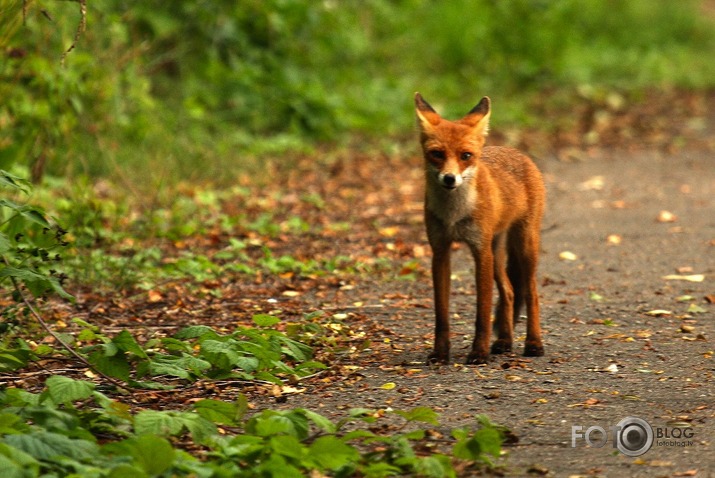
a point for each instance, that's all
(484, 260)
(441, 284)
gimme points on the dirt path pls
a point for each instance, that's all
(608, 354)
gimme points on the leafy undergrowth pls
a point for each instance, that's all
(72, 429)
(191, 326)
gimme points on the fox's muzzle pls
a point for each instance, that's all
(449, 180)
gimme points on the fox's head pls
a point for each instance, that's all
(452, 148)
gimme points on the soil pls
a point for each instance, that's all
(621, 340)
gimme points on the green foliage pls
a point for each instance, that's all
(248, 353)
(29, 245)
(71, 428)
(191, 89)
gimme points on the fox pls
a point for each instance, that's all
(491, 198)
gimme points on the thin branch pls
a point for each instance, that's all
(80, 29)
(64, 344)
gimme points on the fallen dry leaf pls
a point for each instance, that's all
(689, 278)
(659, 312)
(666, 216)
(567, 256)
(614, 239)
(155, 296)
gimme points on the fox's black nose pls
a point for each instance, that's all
(449, 180)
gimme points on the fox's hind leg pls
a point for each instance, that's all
(524, 257)
(504, 310)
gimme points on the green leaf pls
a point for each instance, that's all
(197, 331)
(66, 390)
(265, 320)
(320, 421)
(420, 414)
(435, 466)
(127, 343)
(218, 411)
(14, 182)
(13, 359)
(115, 366)
(489, 440)
(331, 453)
(185, 367)
(153, 454)
(155, 422)
(287, 445)
(46, 446)
(17, 464)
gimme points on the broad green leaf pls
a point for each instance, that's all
(153, 454)
(296, 350)
(46, 446)
(12, 359)
(153, 422)
(201, 429)
(287, 445)
(115, 366)
(270, 425)
(197, 331)
(64, 389)
(320, 421)
(14, 182)
(15, 463)
(265, 320)
(220, 354)
(127, 343)
(331, 453)
(489, 440)
(420, 414)
(217, 411)
(10, 423)
(435, 466)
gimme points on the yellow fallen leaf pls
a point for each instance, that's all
(155, 296)
(666, 216)
(567, 256)
(388, 386)
(614, 239)
(291, 293)
(389, 231)
(658, 312)
(689, 278)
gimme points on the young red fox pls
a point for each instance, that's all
(491, 198)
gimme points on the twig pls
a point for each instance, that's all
(80, 29)
(64, 344)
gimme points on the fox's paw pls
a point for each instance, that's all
(477, 358)
(501, 346)
(533, 349)
(438, 358)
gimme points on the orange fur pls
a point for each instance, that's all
(491, 198)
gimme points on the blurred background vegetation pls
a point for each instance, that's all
(192, 89)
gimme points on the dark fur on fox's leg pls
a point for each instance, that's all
(501, 346)
(438, 358)
(476, 358)
(533, 349)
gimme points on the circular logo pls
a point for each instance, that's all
(634, 436)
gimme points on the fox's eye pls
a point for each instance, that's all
(436, 154)
(465, 156)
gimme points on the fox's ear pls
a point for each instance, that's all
(427, 117)
(478, 117)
